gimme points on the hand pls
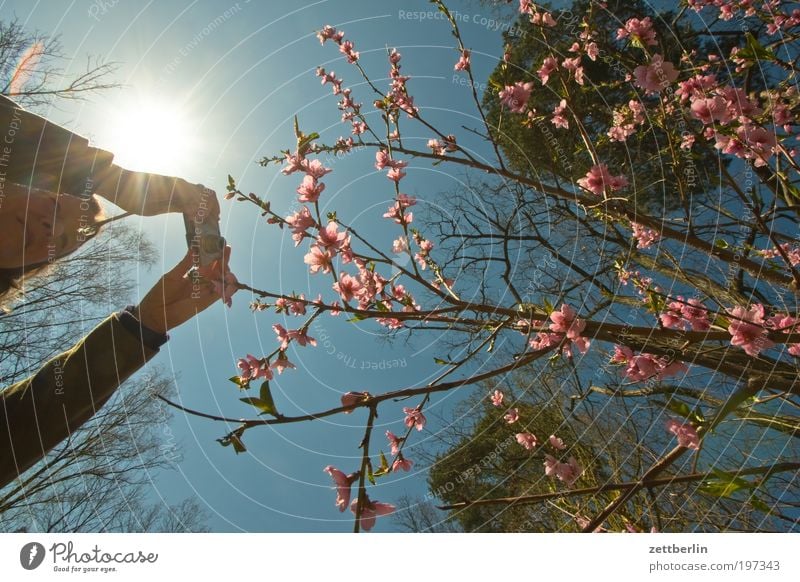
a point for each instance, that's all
(195, 200)
(177, 297)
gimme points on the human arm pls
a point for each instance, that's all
(36, 152)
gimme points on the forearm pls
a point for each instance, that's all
(43, 410)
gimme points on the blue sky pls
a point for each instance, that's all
(238, 73)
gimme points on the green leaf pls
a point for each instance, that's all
(724, 484)
(231, 184)
(679, 408)
(370, 474)
(243, 385)
(441, 362)
(734, 401)
(356, 317)
(548, 306)
(384, 462)
(237, 443)
(756, 50)
(721, 243)
(265, 396)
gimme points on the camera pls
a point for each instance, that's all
(204, 235)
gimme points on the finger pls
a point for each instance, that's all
(179, 270)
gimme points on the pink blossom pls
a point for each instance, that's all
(317, 259)
(346, 48)
(515, 97)
(682, 314)
(347, 286)
(568, 472)
(747, 329)
(598, 178)
(566, 321)
(400, 245)
(497, 398)
(574, 65)
(394, 442)
(414, 418)
(437, 147)
(293, 164)
(655, 76)
(401, 464)
(300, 222)
(359, 127)
(686, 433)
(558, 118)
(282, 363)
(329, 33)
(331, 239)
(641, 29)
(549, 65)
(527, 440)
(283, 335)
(225, 287)
(395, 174)
(310, 190)
(556, 443)
(301, 337)
(252, 368)
(342, 483)
(463, 63)
(315, 169)
(353, 398)
(371, 511)
(512, 416)
(644, 236)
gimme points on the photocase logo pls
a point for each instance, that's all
(31, 555)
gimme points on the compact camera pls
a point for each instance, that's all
(204, 235)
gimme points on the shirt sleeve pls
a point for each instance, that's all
(35, 152)
(41, 411)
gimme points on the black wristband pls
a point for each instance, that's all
(151, 339)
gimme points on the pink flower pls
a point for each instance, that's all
(568, 472)
(527, 440)
(655, 76)
(343, 483)
(512, 416)
(515, 97)
(558, 118)
(315, 169)
(641, 29)
(414, 418)
(353, 398)
(282, 363)
(395, 174)
(497, 398)
(394, 442)
(347, 286)
(317, 259)
(346, 48)
(644, 236)
(330, 238)
(686, 433)
(300, 222)
(463, 63)
(283, 335)
(401, 464)
(549, 65)
(252, 368)
(301, 337)
(748, 329)
(371, 511)
(329, 33)
(400, 245)
(682, 314)
(598, 178)
(310, 190)
(556, 443)
(566, 321)
(225, 288)
(293, 164)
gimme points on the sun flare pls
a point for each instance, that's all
(150, 136)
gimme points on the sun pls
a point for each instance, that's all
(149, 135)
